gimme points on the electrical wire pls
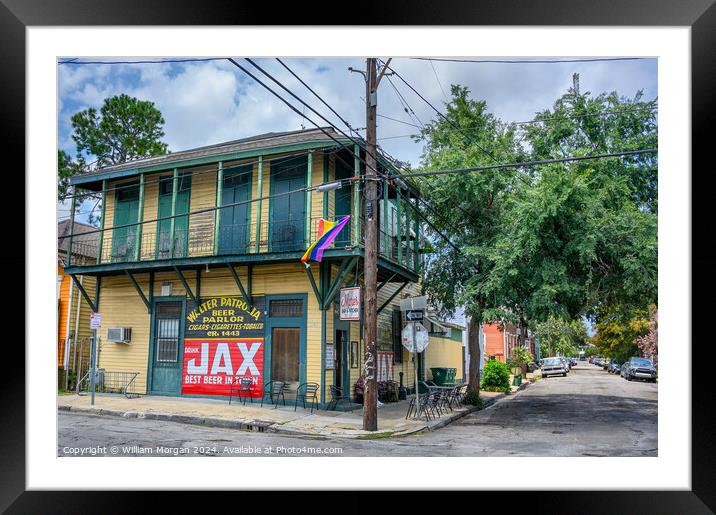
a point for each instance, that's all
(530, 163)
(154, 61)
(528, 61)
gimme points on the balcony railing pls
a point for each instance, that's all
(145, 243)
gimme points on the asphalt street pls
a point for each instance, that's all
(587, 413)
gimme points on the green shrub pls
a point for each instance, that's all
(495, 376)
(473, 399)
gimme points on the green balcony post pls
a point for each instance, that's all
(325, 180)
(417, 239)
(309, 197)
(217, 213)
(356, 197)
(260, 203)
(399, 232)
(140, 218)
(175, 188)
(386, 249)
(408, 205)
(101, 222)
(73, 205)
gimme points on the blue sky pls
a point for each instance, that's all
(209, 102)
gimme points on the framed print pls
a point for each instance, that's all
(479, 150)
(354, 354)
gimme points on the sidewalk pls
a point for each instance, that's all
(283, 419)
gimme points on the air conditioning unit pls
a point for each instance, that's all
(119, 334)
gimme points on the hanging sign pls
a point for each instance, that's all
(350, 303)
(223, 342)
(95, 321)
(421, 340)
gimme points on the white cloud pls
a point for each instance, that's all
(205, 103)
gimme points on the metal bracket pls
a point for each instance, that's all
(185, 283)
(333, 290)
(237, 280)
(390, 299)
(313, 284)
(84, 293)
(139, 291)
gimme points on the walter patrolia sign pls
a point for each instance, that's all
(223, 342)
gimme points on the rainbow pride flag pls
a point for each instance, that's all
(327, 232)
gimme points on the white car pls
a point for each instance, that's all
(553, 366)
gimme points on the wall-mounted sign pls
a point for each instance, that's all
(223, 342)
(95, 321)
(385, 366)
(330, 356)
(350, 304)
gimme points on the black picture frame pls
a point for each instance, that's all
(354, 354)
(699, 15)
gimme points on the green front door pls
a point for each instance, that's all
(288, 206)
(126, 211)
(234, 223)
(167, 348)
(179, 247)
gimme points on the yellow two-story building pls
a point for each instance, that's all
(198, 271)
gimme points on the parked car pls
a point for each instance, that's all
(640, 368)
(574, 361)
(597, 361)
(615, 366)
(567, 363)
(622, 370)
(604, 364)
(553, 366)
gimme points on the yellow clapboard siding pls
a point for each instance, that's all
(443, 352)
(121, 306)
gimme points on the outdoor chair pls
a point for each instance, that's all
(242, 388)
(307, 392)
(382, 391)
(435, 402)
(392, 391)
(337, 397)
(274, 390)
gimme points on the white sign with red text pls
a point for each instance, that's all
(350, 304)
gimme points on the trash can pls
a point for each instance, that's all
(440, 375)
(452, 372)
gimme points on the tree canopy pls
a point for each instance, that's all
(539, 244)
(125, 128)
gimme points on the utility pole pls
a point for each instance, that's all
(370, 316)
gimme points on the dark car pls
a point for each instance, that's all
(639, 368)
(615, 366)
(598, 361)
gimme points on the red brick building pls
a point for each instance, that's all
(501, 338)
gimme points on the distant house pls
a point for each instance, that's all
(73, 312)
(501, 338)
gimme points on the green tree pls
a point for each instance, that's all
(124, 129)
(561, 337)
(581, 234)
(470, 207)
(618, 330)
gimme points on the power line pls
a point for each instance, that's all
(156, 61)
(538, 61)
(439, 83)
(396, 120)
(532, 163)
(440, 113)
(316, 95)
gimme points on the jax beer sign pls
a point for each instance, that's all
(223, 343)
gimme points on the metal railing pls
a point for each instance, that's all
(199, 237)
(110, 382)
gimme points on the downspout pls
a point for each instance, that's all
(67, 323)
